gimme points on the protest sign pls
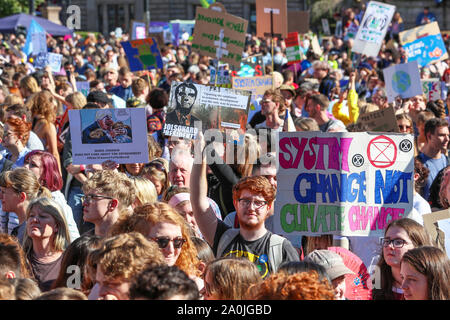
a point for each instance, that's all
(293, 52)
(252, 66)
(338, 28)
(211, 107)
(257, 86)
(298, 21)
(83, 87)
(424, 44)
(142, 54)
(373, 28)
(108, 134)
(169, 31)
(223, 75)
(138, 30)
(382, 120)
(277, 9)
(51, 59)
(326, 27)
(433, 227)
(342, 183)
(219, 35)
(316, 46)
(402, 80)
(432, 89)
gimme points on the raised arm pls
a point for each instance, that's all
(203, 213)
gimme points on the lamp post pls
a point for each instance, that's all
(31, 7)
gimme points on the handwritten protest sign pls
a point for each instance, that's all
(212, 107)
(219, 35)
(257, 86)
(108, 134)
(402, 80)
(49, 59)
(252, 66)
(298, 21)
(379, 121)
(223, 75)
(142, 54)
(138, 30)
(293, 52)
(432, 89)
(373, 28)
(279, 22)
(424, 44)
(348, 184)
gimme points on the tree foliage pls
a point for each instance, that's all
(10, 7)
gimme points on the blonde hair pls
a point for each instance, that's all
(77, 100)
(306, 124)
(30, 84)
(62, 293)
(62, 238)
(147, 216)
(145, 190)
(112, 184)
(23, 180)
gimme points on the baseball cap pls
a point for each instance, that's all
(331, 261)
(289, 88)
(98, 96)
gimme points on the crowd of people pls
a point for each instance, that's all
(176, 228)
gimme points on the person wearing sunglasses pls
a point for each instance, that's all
(162, 224)
(107, 195)
(400, 236)
(253, 198)
(157, 172)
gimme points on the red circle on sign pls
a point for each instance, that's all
(382, 152)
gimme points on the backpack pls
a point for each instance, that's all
(275, 254)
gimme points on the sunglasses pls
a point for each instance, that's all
(157, 165)
(163, 242)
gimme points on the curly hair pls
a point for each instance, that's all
(299, 286)
(20, 128)
(257, 184)
(41, 104)
(148, 215)
(423, 173)
(124, 256)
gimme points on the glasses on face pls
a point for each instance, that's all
(90, 197)
(157, 165)
(402, 127)
(246, 203)
(398, 243)
(163, 242)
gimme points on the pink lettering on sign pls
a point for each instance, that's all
(359, 217)
(293, 150)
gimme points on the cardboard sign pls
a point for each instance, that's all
(219, 35)
(142, 54)
(257, 86)
(316, 46)
(432, 89)
(298, 21)
(342, 183)
(108, 134)
(424, 44)
(293, 52)
(431, 225)
(252, 66)
(193, 106)
(138, 30)
(49, 59)
(279, 24)
(379, 121)
(402, 80)
(373, 28)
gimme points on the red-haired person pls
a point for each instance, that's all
(253, 198)
(45, 167)
(15, 137)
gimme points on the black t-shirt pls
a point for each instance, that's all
(256, 251)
